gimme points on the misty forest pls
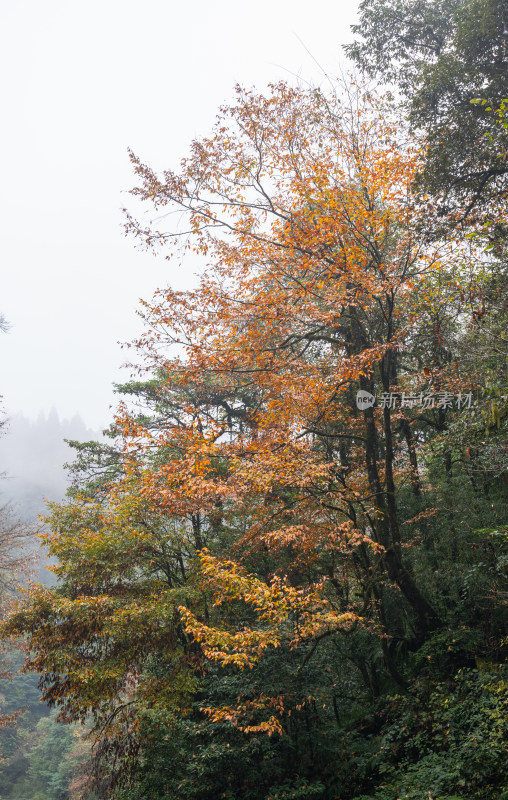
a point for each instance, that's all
(282, 571)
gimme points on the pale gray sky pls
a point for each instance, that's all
(81, 82)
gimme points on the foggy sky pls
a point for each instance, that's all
(81, 83)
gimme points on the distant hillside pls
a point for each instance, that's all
(32, 455)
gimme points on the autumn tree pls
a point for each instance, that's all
(308, 297)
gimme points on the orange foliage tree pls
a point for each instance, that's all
(317, 278)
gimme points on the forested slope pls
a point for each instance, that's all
(38, 754)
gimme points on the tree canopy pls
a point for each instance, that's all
(441, 56)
